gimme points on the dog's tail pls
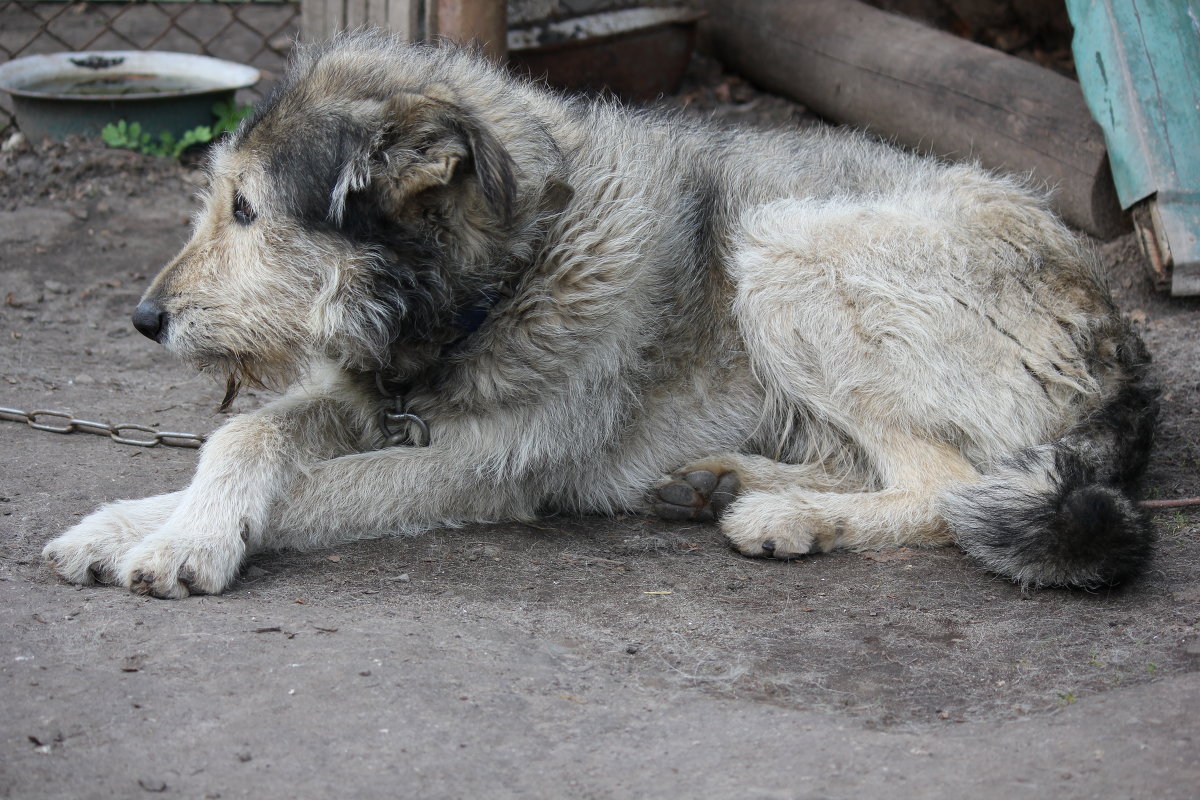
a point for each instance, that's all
(1059, 514)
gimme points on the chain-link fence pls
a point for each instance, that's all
(255, 32)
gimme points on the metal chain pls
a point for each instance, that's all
(404, 420)
(144, 436)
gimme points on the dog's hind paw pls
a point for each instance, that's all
(772, 525)
(697, 493)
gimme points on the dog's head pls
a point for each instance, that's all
(366, 201)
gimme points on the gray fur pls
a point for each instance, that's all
(849, 337)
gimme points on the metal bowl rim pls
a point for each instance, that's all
(28, 68)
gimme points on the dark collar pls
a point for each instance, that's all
(398, 424)
(471, 319)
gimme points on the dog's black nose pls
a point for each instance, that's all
(150, 320)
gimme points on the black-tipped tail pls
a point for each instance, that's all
(1041, 519)
(1058, 514)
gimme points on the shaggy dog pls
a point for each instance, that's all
(488, 301)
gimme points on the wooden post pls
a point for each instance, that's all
(482, 21)
(320, 19)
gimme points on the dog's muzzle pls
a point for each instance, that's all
(150, 320)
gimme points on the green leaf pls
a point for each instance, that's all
(197, 135)
(228, 116)
(112, 135)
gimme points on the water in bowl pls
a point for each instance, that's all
(117, 84)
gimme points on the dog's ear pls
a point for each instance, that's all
(424, 143)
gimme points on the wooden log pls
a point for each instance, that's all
(927, 90)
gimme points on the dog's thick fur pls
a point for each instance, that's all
(830, 343)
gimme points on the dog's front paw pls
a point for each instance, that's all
(770, 525)
(172, 564)
(92, 550)
(700, 492)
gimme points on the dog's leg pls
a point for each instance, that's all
(195, 540)
(200, 546)
(795, 521)
(395, 490)
(222, 516)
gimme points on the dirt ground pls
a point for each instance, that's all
(575, 658)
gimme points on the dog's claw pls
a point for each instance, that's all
(189, 579)
(140, 582)
(98, 573)
(770, 549)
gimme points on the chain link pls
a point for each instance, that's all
(397, 423)
(123, 433)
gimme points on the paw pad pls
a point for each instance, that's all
(697, 496)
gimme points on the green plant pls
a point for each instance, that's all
(131, 136)
(122, 134)
(228, 116)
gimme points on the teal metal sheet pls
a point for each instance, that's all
(1139, 66)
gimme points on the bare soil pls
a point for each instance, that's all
(581, 658)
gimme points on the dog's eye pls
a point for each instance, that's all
(242, 210)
